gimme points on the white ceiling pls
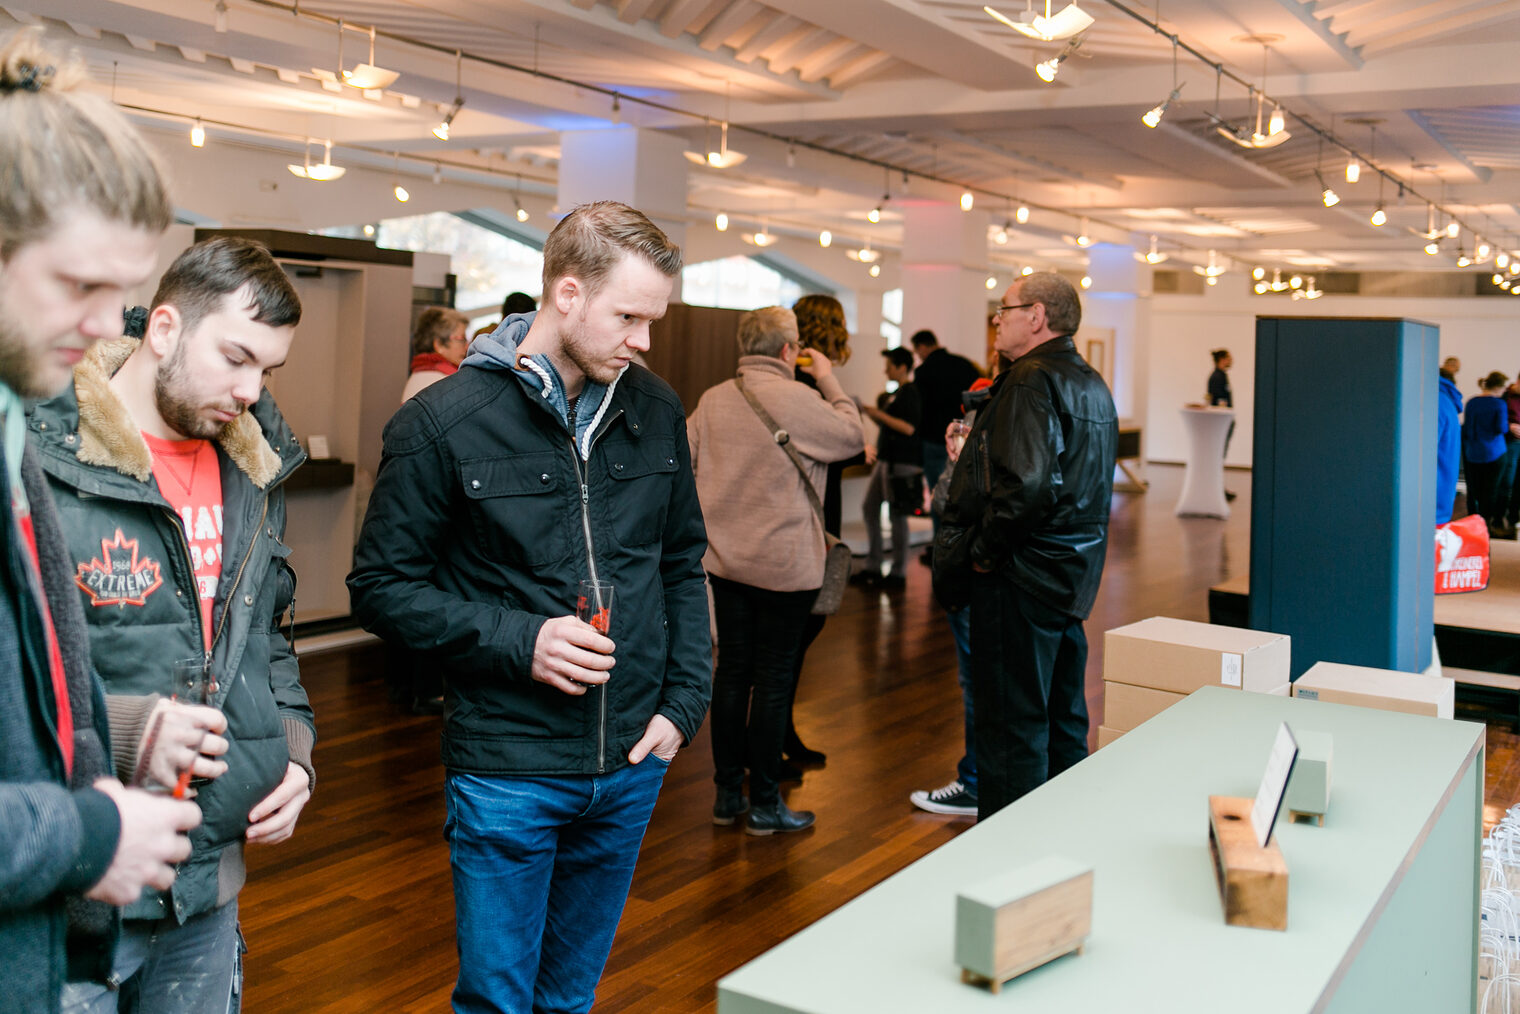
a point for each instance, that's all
(935, 87)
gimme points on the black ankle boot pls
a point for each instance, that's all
(730, 806)
(797, 752)
(779, 817)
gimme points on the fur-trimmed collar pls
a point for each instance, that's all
(108, 437)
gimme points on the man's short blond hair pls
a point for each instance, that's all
(64, 150)
(766, 331)
(590, 241)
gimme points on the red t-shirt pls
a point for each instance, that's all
(190, 478)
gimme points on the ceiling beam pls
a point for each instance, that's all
(1336, 41)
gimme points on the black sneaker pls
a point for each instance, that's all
(952, 799)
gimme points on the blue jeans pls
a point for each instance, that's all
(164, 967)
(960, 629)
(936, 460)
(1506, 504)
(542, 867)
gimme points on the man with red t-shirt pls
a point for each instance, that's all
(166, 460)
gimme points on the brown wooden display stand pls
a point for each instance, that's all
(1253, 881)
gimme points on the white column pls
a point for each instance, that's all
(1120, 300)
(944, 275)
(643, 169)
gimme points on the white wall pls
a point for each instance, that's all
(1483, 332)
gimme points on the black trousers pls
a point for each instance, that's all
(1028, 663)
(759, 635)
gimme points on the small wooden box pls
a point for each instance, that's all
(1020, 920)
(1308, 792)
(1253, 881)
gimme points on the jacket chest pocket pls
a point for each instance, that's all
(641, 474)
(519, 506)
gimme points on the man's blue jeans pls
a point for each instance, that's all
(542, 867)
(960, 629)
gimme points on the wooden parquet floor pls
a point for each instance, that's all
(355, 913)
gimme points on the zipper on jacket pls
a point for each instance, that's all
(582, 477)
(237, 578)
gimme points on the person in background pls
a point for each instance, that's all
(941, 378)
(1023, 541)
(1450, 367)
(821, 326)
(1485, 422)
(1448, 442)
(897, 474)
(439, 344)
(81, 215)
(1221, 395)
(1219, 381)
(517, 303)
(1506, 486)
(957, 798)
(765, 550)
(181, 420)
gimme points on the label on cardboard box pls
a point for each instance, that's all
(1229, 669)
(1307, 694)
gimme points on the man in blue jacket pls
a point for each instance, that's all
(1448, 440)
(80, 218)
(549, 459)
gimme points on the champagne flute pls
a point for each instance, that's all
(192, 683)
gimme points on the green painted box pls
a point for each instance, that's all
(1021, 919)
(1309, 788)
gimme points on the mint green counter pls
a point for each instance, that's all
(1382, 903)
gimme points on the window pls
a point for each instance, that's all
(891, 317)
(737, 283)
(487, 264)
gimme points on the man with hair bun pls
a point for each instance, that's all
(81, 213)
(550, 459)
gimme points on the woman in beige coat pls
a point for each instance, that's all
(765, 550)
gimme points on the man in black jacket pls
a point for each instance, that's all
(941, 378)
(548, 460)
(1026, 527)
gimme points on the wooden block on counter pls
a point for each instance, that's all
(1253, 881)
(1018, 921)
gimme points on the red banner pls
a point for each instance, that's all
(1462, 555)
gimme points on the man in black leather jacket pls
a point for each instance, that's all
(1025, 531)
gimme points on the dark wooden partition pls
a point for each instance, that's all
(693, 348)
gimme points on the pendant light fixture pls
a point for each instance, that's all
(323, 171)
(366, 76)
(1063, 24)
(442, 130)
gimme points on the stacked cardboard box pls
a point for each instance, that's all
(1409, 692)
(1150, 665)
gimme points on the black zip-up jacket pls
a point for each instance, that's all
(477, 534)
(1030, 494)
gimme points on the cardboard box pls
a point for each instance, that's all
(1125, 707)
(1107, 735)
(1179, 656)
(1408, 692)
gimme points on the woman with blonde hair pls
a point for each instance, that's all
(821, 326)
